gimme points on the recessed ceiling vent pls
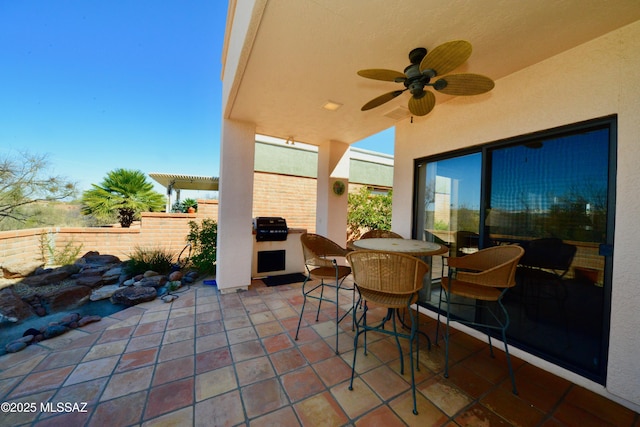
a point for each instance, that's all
(398, 113)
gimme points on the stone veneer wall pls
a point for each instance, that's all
(155, 230)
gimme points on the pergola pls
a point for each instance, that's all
(179, 182)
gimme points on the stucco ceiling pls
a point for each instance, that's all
(307, 52)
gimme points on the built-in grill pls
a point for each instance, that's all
(270, 228)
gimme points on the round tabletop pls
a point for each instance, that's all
(406, 246)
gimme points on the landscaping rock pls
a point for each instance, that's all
(54, 331)
(88, 319)
(12, 308)
(103, 292)
(95, 258)
(46, 278)
(175, 276)
(90, 281)
(15, 346)
(133, 295)
(152, 281)
(68, 297)
(15, 270)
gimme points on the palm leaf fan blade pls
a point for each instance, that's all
(382, 74)
(447, 57)
(466, 84)
(381, 100)
(423, 105)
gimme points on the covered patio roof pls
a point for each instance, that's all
(179, 182)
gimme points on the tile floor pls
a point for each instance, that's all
(227, 360)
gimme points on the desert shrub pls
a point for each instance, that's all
(159, 260)
(66, 255)
(203, 239)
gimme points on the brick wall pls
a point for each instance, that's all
(155, 230)
(290, 197)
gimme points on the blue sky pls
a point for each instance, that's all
(100, 85)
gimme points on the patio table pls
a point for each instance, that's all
(414, 247)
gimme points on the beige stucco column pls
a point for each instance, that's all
(235, 239)
(331, 211)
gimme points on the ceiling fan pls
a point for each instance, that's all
(425, 67)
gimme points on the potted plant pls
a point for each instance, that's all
(189, 205)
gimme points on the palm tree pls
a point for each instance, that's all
(125, 192)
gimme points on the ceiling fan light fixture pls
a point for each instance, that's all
(331, 106)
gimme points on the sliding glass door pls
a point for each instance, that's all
(553, 194)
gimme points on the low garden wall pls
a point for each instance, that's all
(154, 230)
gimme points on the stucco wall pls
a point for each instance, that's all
(596, 79)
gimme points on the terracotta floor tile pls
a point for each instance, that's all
(181, 322)
(137, 359)
(442, 393)
(263, 317)
(178, 335)
(41, 381)
(208, 328)
(222, 410)
(239, 335)
(150, 328)
(287, 360)
(233, 323)
(333, 370)
(122, 411)
(587, 409)
(246, 350)
(469, 381)
(301, 384)
(211, 342)
(213, 359)
(284, 417)
(277, 343)
(539, 387)
(269, 329)
(512, 408)
(381, 417)
(316, 351)
(385, 382)
(181, 417)
(169, 397)
(176, 350)
(428, 413)
(19, 418)
(254, 370)
(214, 383)
(92, 369)
(60, 358)
(262, 397)
(320, 407)
(88, 391)
(144, 341)
(364, 362)
(127, 383)
(357, 401)
(478, 415)
(99, 351)
(117, 334)
(173, 370)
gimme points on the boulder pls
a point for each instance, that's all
(152, 281)
(133, 295)
(50, 277)
(175, 276)
(103, 292)
(95, 258)
(15, 346)
(89, 281)
(67, 297)
(13, 270)
(12, 307)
